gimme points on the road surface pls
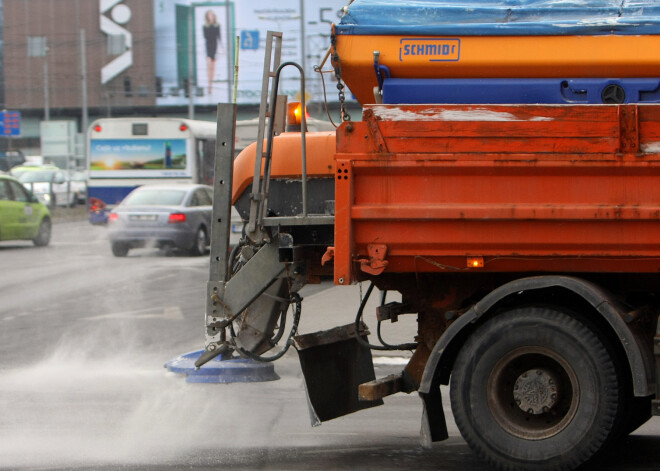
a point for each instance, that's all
(83, 340)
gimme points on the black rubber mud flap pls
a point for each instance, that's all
(334, 364)
(434, 425)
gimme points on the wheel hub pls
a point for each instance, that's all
(535, 391)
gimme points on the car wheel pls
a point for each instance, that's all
(200, 243)
(43, 236)
(119, 249)
(536, 388)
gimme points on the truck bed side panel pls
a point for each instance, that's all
(523, 188)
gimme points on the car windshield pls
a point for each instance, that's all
(160, 197)
(36, 176)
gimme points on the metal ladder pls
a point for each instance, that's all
(227, 294)
(259, 195)
(269, 108)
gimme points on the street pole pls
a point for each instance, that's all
(236, 49)
(191, 51)
(230, 60)
(84, 121)
(303, 51)
(83, 77)
(46, 97)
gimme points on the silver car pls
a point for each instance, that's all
(78, 186)
(48, 184)
(174, 215)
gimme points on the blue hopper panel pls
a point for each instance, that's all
(521, 91)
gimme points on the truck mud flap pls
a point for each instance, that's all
(334, 364)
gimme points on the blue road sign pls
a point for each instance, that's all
(250, 39)
(10, 123)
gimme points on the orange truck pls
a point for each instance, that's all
(524, 237)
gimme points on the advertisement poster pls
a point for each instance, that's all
(211, 48)
(210, 29)
(140, 158)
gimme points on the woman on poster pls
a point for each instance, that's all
(212, 38)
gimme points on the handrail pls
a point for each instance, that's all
(269, 146)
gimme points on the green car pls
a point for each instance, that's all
(22, 216)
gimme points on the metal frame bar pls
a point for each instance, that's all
(221, 222)
(272, 38)
(222, 189)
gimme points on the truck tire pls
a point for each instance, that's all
(535, 388)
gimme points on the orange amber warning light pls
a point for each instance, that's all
(294, 116)
(475, 262)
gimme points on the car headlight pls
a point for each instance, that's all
(45, 196)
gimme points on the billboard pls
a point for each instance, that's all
(195, 41)
(125, 158)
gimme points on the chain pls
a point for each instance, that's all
(340, 84)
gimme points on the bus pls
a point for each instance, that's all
(124, 153)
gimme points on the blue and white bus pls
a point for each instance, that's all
(124, 153)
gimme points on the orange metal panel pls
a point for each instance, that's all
(287, 161)
(587, 199)
(343, 223)
(502, 56)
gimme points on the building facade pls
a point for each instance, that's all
(65, 59)
(48, 42)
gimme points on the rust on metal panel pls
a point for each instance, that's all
(628, 129)
(415, 367)
(375, 135)
(379, 388)
(328, 256)
(376, 263)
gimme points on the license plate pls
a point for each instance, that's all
(142, 217)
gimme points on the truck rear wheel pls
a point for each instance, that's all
(535, 388)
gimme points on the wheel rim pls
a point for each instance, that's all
(44, 231)
(201, 241)
(533, 393)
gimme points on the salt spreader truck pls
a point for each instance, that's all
(505, 180)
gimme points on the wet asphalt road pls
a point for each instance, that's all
(83, 339)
